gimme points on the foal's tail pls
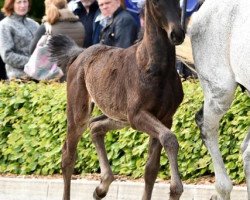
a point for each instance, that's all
(63, 50)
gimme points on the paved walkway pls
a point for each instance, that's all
(52, 189)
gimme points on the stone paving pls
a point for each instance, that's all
(52, 189)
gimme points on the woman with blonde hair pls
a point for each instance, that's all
(62, 21)
(16, 32)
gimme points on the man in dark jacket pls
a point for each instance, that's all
(86, 10)
(119, 28)
(3, 75)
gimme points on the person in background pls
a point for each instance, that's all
(16, 32)
(118, 27)
(142, 21)
(62, 21)
(3, 75)
(72, 4)
(134, 8)
(86, 11)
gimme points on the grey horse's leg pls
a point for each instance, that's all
(152, 167)
(208, 121)
(99, 127)
(245, 148)
(145, 122)
(78, 113)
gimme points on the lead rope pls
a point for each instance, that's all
(183, 14)
(183, 24)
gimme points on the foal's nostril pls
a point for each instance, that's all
(177, 36)
(173, 36)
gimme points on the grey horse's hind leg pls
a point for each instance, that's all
(99, 127)
(245, 148)
(152, 167)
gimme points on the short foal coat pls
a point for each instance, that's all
(137, 87)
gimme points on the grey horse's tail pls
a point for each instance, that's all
(63, 50)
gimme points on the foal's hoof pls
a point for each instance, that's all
(100, 196)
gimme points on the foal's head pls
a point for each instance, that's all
(166, 14)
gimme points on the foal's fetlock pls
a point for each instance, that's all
(102, 190)
(107, 178)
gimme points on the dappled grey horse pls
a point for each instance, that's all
(220, 37)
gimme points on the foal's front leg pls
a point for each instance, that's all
(99, 127)
(146, 122)
(152, 167)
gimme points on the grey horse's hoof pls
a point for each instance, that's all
(214, 197)
(95, 196)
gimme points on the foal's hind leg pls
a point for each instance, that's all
(245, 148)
(146, 122)
(152, 167)
(208, 121)
(99, 127)
(77, 118)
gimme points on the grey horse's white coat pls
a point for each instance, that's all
(220, 37)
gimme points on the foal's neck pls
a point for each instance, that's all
(155, 44)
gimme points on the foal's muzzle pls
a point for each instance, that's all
(176, 35)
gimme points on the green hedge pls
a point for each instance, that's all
(1, 3)
(33, 128)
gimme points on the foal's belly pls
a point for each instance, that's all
(118, 88)
(108, 93)
(115, 100)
